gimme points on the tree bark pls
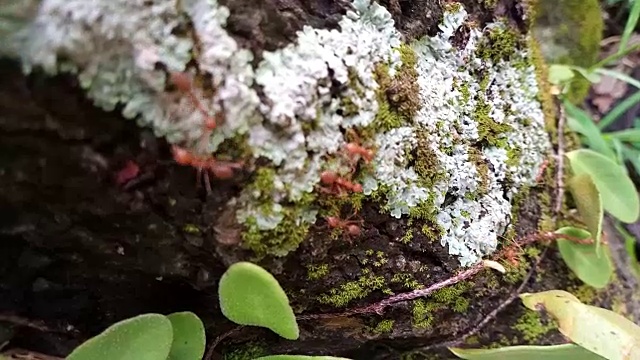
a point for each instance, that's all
(81, 248)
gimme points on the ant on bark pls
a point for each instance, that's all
(183, 82)
(350, 228)
(219, 169)
(204, 164)
(338, 185)
(355, 149)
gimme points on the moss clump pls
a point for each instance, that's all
(375, 258)
(398, 97)
(447, 298)
(281, 240)
(452, 296)
(384, 326)
(191, 229)
(489, 130)
(585, 294)
(289, 232)
(421, 312)
(532, 327)
(500, 43)
(248, 351)
(475, 156)
(407, 280)
(408, 236)
(352, 290)
(316, 272)
(545, 96)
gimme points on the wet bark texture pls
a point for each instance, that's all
(80, 250)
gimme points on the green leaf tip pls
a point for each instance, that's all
(618, 194)
(532, 352)
(144, 337)
(591, 266)
(589, 204)
(189, 339)
(250, 295)
(598, 330)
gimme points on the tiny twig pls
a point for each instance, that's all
(28, 355)
(380, 306)
(19, 321)
(218, 340)
(492, 315)
(559, 166)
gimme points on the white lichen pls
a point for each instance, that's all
(122, 51)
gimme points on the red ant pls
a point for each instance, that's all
(220, 169)
(541, 171)
(184, 83)
(354, 148)
(350, 228)
(338, 184)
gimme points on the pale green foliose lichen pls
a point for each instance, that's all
(313, 90)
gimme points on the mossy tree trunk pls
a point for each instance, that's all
(83, 244)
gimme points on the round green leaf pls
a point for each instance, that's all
(618, 194)
(189, 339)
(250, 295)
(601, 331)
(552, 352)
(591, 266)
(299, 357)
(144, 337)
(560, 73)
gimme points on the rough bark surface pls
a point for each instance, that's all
(77, 248)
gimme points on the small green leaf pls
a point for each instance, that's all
(189, 339)
(552, 352)
(299, 357)
(589, 204)
(601, 331)
(250, 295)
(593, 267)
(559, 74)
(591, 76)
(580, 122)
(618, 194)
(629, 135)
(144, 337)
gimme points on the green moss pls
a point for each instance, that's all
(289, 233)
(248, 351)
(398, 97)
(315, 272)
(476, 157)
(585, 294)
(489, 4)
(408, 236)
(532, 327)
(500, 43)
(191, 229)
(421, 314)
(488, 129)
(447, 298)
(451, 296)
(352, 290)
(407, 280)
(384, 326)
